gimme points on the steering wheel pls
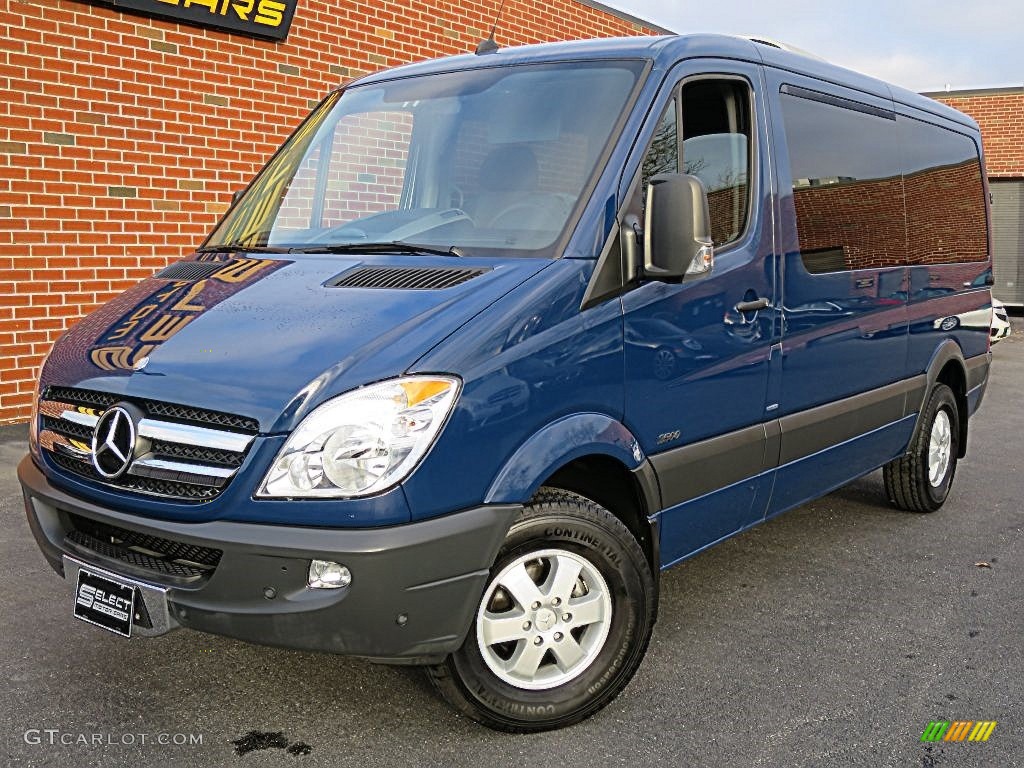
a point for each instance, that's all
(537, 205)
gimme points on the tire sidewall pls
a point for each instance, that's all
(614, 664)
(942, 400)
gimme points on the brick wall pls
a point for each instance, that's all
(122, 137)
(1001, 117)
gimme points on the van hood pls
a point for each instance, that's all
(272, 337)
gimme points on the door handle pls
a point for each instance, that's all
(753, 306)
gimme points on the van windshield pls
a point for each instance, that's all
(490, 161)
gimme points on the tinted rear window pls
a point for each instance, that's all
(856, 169)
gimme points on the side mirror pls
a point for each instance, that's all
(677, 229)
(236, 196)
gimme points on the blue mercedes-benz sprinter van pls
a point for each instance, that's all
(494, 339)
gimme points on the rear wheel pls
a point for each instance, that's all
(563, 622)
(919, 481)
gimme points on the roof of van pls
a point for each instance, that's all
(667, 49)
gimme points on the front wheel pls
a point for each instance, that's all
(919, 481)
(563, 622)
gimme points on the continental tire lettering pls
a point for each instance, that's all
(584, 538)
(618, 660)
(270, 13)
(514, 707)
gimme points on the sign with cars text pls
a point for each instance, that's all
(269, 19)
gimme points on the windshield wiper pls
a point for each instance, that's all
(395, 246)
(241, 245)
(239, 248)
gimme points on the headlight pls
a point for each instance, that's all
(364, 441)
(33, 422)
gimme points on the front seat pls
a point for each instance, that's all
(507, 177)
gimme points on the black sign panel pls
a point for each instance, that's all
(105, 603)
(256, 18)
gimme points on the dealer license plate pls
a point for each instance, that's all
(105, 602)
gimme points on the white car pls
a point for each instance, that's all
(1000, 321)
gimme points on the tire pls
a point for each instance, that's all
(914, 481)
(556, 529)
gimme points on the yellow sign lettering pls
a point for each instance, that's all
(164, 328)
(184, 306)
(175, 287)
(270, 13)
(115, 358)
(141, 312)
(243, 8)
(124, 330)
(241, 270)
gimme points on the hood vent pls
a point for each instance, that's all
(405, 278)
(189, 270)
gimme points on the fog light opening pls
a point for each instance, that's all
(327, 574)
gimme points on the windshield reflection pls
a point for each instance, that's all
(494, 161)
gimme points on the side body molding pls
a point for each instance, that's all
(571, 437)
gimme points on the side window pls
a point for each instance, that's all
(847, 182)
(717, 150)
(945, 195)
(663, 153)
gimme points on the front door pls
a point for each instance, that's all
(697, 363)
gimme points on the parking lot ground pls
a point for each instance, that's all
(829, 636)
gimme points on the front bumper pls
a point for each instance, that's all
(412, 598)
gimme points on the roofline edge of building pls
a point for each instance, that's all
(966, 92)
(626, 16)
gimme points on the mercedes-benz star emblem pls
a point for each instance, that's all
(113, 442)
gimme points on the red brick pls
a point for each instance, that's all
(67, 59)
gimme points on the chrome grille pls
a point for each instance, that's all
(198, 453)
(173, 411)
(175, 458)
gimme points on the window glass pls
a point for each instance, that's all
(663, 154)
(494, 161)
(364, 175)
(945, 196)
(847, 185)
(716, 149)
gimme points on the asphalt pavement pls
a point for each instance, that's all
(829, 636)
